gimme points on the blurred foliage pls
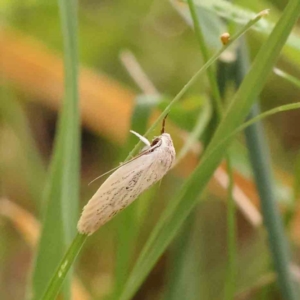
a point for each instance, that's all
(161, 39)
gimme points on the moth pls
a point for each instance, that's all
(128, 181)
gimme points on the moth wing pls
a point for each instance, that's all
(117, 192)
(144, 151)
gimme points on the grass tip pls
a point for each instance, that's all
(263, 13)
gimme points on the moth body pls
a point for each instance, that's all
(123, 186)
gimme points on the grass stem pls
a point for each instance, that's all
(259, 154)
(64, 266)
(231, 226)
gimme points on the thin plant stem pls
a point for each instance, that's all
(73, 251)
(231, 226)
(259, 154)
(61, 191)
(257, 118)
(64, 266)
(196, 76)
(179, 209)
(205, 54)
(230, 285)
(201, 123)
(287, 77)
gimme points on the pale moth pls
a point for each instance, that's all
(129, 180)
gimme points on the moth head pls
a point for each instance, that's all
(156, 143)
(166, 139)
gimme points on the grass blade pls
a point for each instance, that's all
(205, 54)
(61, 194)
(202, 122)
(127, 227)
(13, 114)
(230, 283)
(180, 208)
(288, 77)
(231, 226)
(197, 75)
(59, 278)
(64, 267)
(183, 273)
(259, 117)
(259, 154)
(239, 15)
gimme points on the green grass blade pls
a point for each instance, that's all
(261, 116)
(260, 161)
(64, 267)
(202, 122)
(158, 120)
(183, 273)
(205, 53)
(61, 193)
(180, 208)
(259, 154)
(127, 227)
(231, 226)
(239, 15)
(197, 75)
(291, 211)
(14, 115)
(292, 208)
(230, 282)
(288, 77)
(70, 195)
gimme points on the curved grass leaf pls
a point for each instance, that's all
(62, 190)
(184, 263)
(127, 229)
(197, 75)
(59, 275)
(13, 114)
(295, 81)
(239, 15)
(180, 208)
(202, 122)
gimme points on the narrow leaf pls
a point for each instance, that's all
(180, 208)
(61, 192)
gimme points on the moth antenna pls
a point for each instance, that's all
(105, 174)
(142, 138)
(163, 124)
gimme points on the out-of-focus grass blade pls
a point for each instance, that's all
(210, 23)
(198, 73)
(291, 210)
(67, 261)
(185, 263)
(261, 116)
(239, 15)
(296, 82)
(297, 179)
(14, 115)
(288, 77)
(202, 122)
(127, 222)
(61, 193)
(180, 208)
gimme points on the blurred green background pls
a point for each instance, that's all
(114, 37)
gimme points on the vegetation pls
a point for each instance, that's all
(224, 223)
